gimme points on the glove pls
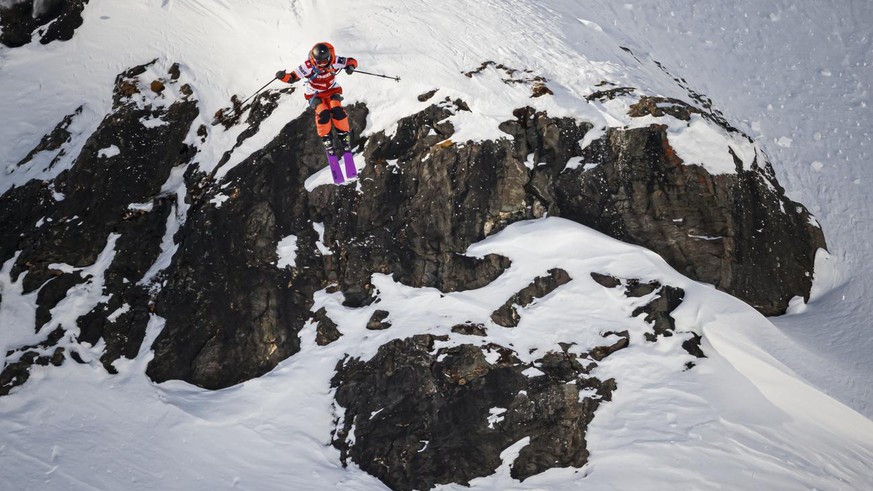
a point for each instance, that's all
(350, 69)
(281, 74)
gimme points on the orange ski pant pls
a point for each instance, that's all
(329, 113)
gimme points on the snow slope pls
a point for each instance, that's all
(761, 412)
(739, 419)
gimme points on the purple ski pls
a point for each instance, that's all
(349, 161)
(335, 170)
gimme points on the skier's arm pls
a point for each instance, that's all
(350, 65)
(286, 77)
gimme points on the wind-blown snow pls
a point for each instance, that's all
(761, 412)
(737, 418)
(287, 252)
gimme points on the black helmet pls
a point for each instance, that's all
(321, 54)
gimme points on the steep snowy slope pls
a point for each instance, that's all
(797, 77)
(736, 420)
(761, 409)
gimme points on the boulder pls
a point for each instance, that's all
(416, 417)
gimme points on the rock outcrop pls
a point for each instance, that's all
(50, 20)
(107, 205)
(417, 414)
(425, 411)
(737, 231)
(420, 202)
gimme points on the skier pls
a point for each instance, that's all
(324, 95)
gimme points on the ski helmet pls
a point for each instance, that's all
(321, 54)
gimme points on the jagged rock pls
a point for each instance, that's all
(54, 140)
(427, 95)
(736, 231)
(657, 313)
(540, 89)
(470, 329)
(601, 352)
(606, 280)
(224, 278)
(507, 315)
(377, 321)
(424, 200)
(692, 345)
(19, 20)
(640, 192)
(416, 222)
(18, 362)
(552, 141)
(635, 288)
(609, 94)
(326, 330)
(77, 227)
(422, 417)
(97, 193)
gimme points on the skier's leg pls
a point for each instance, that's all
(323, 126)
(340, 122)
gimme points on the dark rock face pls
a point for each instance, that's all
(326, 330)
(85, 212)
(415, 417)
(224, 279)
(507, 315)
(657, 312)
(424, 200)
(737, 231)
(61, 18)
(248, 312)
(461, 192)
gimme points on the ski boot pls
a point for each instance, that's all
(332, 159)
(348, 158)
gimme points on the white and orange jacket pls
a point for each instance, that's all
(320, 81)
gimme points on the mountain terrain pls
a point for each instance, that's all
(585, 238)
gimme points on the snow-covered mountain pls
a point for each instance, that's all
(546, 355)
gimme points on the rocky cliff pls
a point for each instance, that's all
(205, 260)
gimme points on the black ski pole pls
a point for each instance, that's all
(258, 91)
(238, 107)
(396, 79)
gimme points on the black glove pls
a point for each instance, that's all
(281, 74)
(350, 69)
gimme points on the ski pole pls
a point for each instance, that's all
(258, 91)
(236, 107)
(396, 79)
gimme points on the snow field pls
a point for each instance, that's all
(760, 413)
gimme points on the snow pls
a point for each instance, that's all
(108, 152)
(287, 252)
(780, 403)
(737, 411)
(176, 185)
(701, 143)
(118, 313)
(495, 415)
(322, 248)
(17, 311)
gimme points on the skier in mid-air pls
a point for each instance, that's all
(324, 95)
